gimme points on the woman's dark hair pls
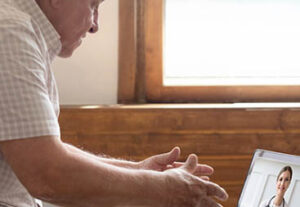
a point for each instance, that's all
(286, 168)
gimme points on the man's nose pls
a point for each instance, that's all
(94, 28)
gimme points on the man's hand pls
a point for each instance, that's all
(186, 190)
(167, 161)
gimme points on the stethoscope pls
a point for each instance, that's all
(272, 199)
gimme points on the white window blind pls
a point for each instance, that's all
(231, 42)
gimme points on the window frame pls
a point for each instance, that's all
(145, 73)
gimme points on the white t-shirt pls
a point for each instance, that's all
(266, 202)
(28, 94)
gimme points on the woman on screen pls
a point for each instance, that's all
(283, 182)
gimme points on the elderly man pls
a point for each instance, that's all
(34, 162)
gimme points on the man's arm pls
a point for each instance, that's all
(52, 173)
(111, 161)
(160, 162)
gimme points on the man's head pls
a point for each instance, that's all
(72, 19)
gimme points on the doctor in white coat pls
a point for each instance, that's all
(283, 182)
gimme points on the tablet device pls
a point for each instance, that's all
(260, 185)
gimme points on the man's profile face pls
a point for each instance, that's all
(73, 19)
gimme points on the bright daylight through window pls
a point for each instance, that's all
(231, 42)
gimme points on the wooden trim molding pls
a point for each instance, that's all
(127, 51)
(131, 88)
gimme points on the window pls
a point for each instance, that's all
(231, 42)
(229, 51)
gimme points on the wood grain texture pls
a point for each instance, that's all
(127, 52)
(223, 138)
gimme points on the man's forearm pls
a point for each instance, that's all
(80, 180)
(111, 161)
(52, 172)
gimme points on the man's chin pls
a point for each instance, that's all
(68, 51)
(65, 53)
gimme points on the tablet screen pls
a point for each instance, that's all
(272, 176)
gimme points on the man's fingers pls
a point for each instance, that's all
(217, 191)
(208, 202)
(203, 170)
(205, 178)
(168, 158)
(173, 155)
(191, 163)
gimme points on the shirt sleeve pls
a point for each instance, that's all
(25, 107)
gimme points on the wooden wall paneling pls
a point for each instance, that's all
(119, 119)
(222, 138)
(143, 145)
